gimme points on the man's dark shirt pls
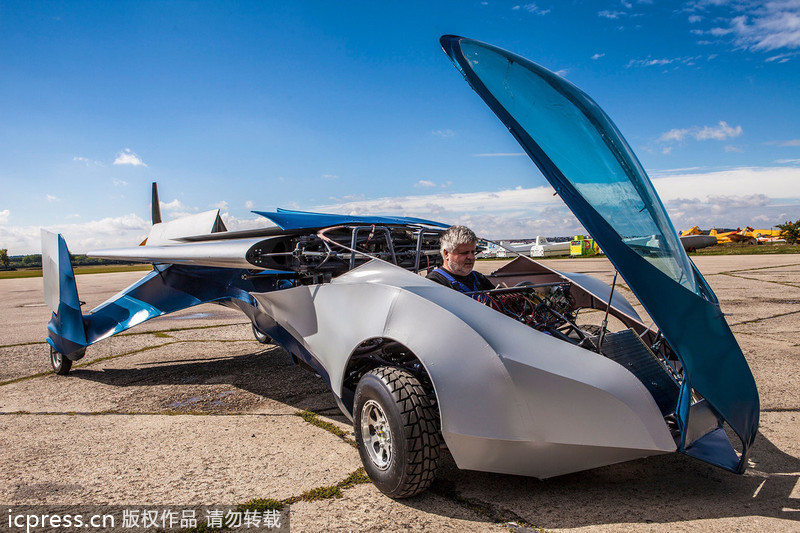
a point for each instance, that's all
(474, 281)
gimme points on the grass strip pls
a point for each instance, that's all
(357, 477)
(733, 249)
(313, 419)
(33, 343)
(78, 270)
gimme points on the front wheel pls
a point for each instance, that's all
(61, 365)
(397, 431)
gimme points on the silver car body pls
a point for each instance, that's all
(512, 399)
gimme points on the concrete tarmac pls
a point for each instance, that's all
(190, 409)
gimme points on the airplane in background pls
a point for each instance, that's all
(694, 239)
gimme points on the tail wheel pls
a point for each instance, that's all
(263, 338)
(397, 431)
(61, 365)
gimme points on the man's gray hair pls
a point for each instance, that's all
(455, 236)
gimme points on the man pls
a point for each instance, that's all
(458, 246)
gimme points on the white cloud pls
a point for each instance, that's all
(531, 8)
(598, 56)
(774, 25)
(86, 161)
(120, 183)
(781, 58)
(5, 214)
(727, 198)
(720, 132)
(237, 224)
(112, 232)
(174, 205)
(733, 149)
(788, 161)
(127, 157)
(248, 204)
(496, 214)
(330, 176)
(51, 198)
(444, 134)
(221, 205)
(751, 25)
(793, 142)
(660, 62)
(613, 15)
(425, 183)
(506, 200)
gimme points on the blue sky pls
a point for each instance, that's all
(353, 107)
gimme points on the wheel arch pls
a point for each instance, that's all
(378, 351)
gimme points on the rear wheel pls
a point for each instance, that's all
(263, 338)
(61, 365)
(397, 431)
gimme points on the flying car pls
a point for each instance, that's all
(517, 381)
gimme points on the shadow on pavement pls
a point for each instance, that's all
(658, 490)
(195, 379)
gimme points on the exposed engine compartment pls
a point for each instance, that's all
(333, 251)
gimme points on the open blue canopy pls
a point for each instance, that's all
(592, 168)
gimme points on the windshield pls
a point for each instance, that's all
(577, 146)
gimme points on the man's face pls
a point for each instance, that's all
(461, 260)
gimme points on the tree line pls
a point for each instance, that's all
(35, 261)
(790, 231)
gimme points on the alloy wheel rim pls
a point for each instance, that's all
(376, 434)
(55, 358)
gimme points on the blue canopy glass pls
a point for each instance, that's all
(592, 168)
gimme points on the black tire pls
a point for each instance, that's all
(263, 338)
(402, 461)
(61, 365)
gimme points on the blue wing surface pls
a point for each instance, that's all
(293, 220)
(583, 155)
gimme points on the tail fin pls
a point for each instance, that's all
(67, 333)
(156, 206)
